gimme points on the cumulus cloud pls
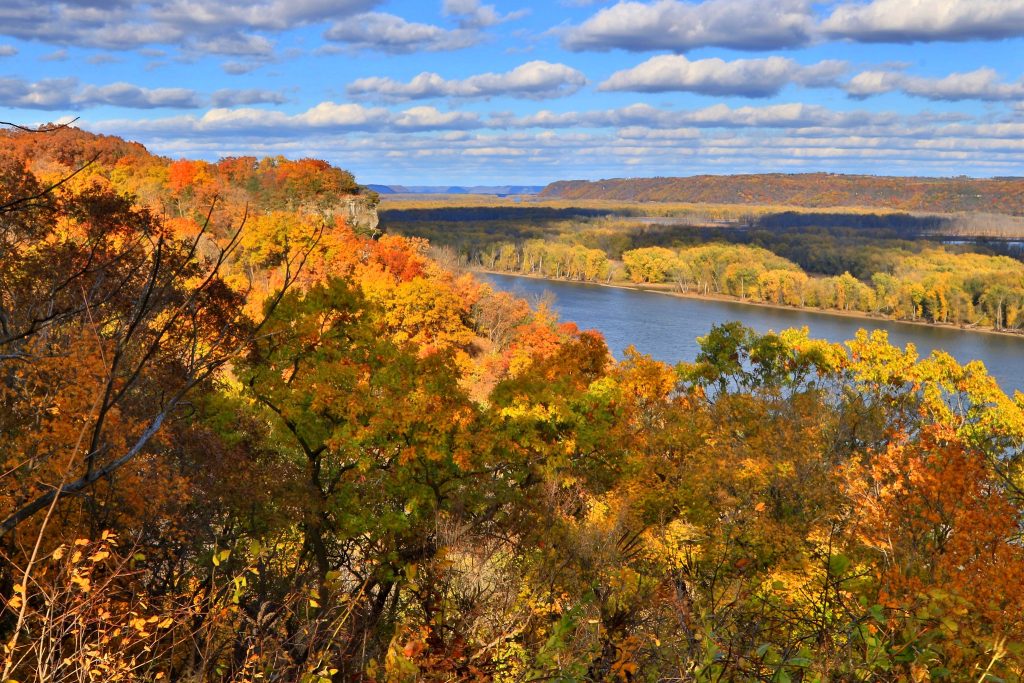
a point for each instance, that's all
(67, 93)
(103, 59)
(225, 27)
(533, 80)
(906, 21)
(324, 118)
(743, 77)
(233, 97)
(473, 156)
(980, 84)
(795, 115)
(429, 118)
(234, 45)
(239, 68)
(8, 50)
(391, 33)
(333, 118)
(274, 15)
(55, 56)
(135, 97)
(471, 14)
(681, 26)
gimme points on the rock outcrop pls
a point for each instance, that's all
(361, 215)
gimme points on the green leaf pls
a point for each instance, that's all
(838, 564)
(877, 613)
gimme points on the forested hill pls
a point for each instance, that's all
(241, 441)
(810, 190)
(187, 189)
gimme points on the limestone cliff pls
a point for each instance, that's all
(361, 214)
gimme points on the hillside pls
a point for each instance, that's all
(810, 190)
(265, 446)
(185, 190)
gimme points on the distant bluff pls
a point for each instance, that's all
(810, 190)
(186, 189)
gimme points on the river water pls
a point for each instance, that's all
(666, 327)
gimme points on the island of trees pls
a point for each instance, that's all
(244, 439)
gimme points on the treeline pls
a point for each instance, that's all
(825, 243)
(899, 223)
(550, 259)
(865, 263)
(539, 213)
(313, 456)
(933, 285)
(810, 190)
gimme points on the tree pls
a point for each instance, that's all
(650, 264)
(96, 289)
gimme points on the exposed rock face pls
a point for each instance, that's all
(361, 215)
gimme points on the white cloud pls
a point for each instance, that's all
(532, 157)
(235, 45)
(429, 118)
(224, 27)
(264, 123)
(905, 21)
(232, 97)
(336, 118)
(471, 14)
(273, 15)
(135, 97)
(8, 50)
(324, 118)
(795, 115)
(55, 56)
(66, 93)
(681, 26)
(103, 59)
(980, 84)
(744, 77)
(533, 80)
(391, 33)
(237, 68)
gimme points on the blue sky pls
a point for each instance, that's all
(478, 92)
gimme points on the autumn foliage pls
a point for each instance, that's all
(997, 195)
(264, 446)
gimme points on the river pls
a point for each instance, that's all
(666, 327)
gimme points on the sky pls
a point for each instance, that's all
(442, 92)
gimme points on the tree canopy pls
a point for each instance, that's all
(303, 453)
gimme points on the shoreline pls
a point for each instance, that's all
(669, 290)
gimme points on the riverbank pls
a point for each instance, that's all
(670, 290)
